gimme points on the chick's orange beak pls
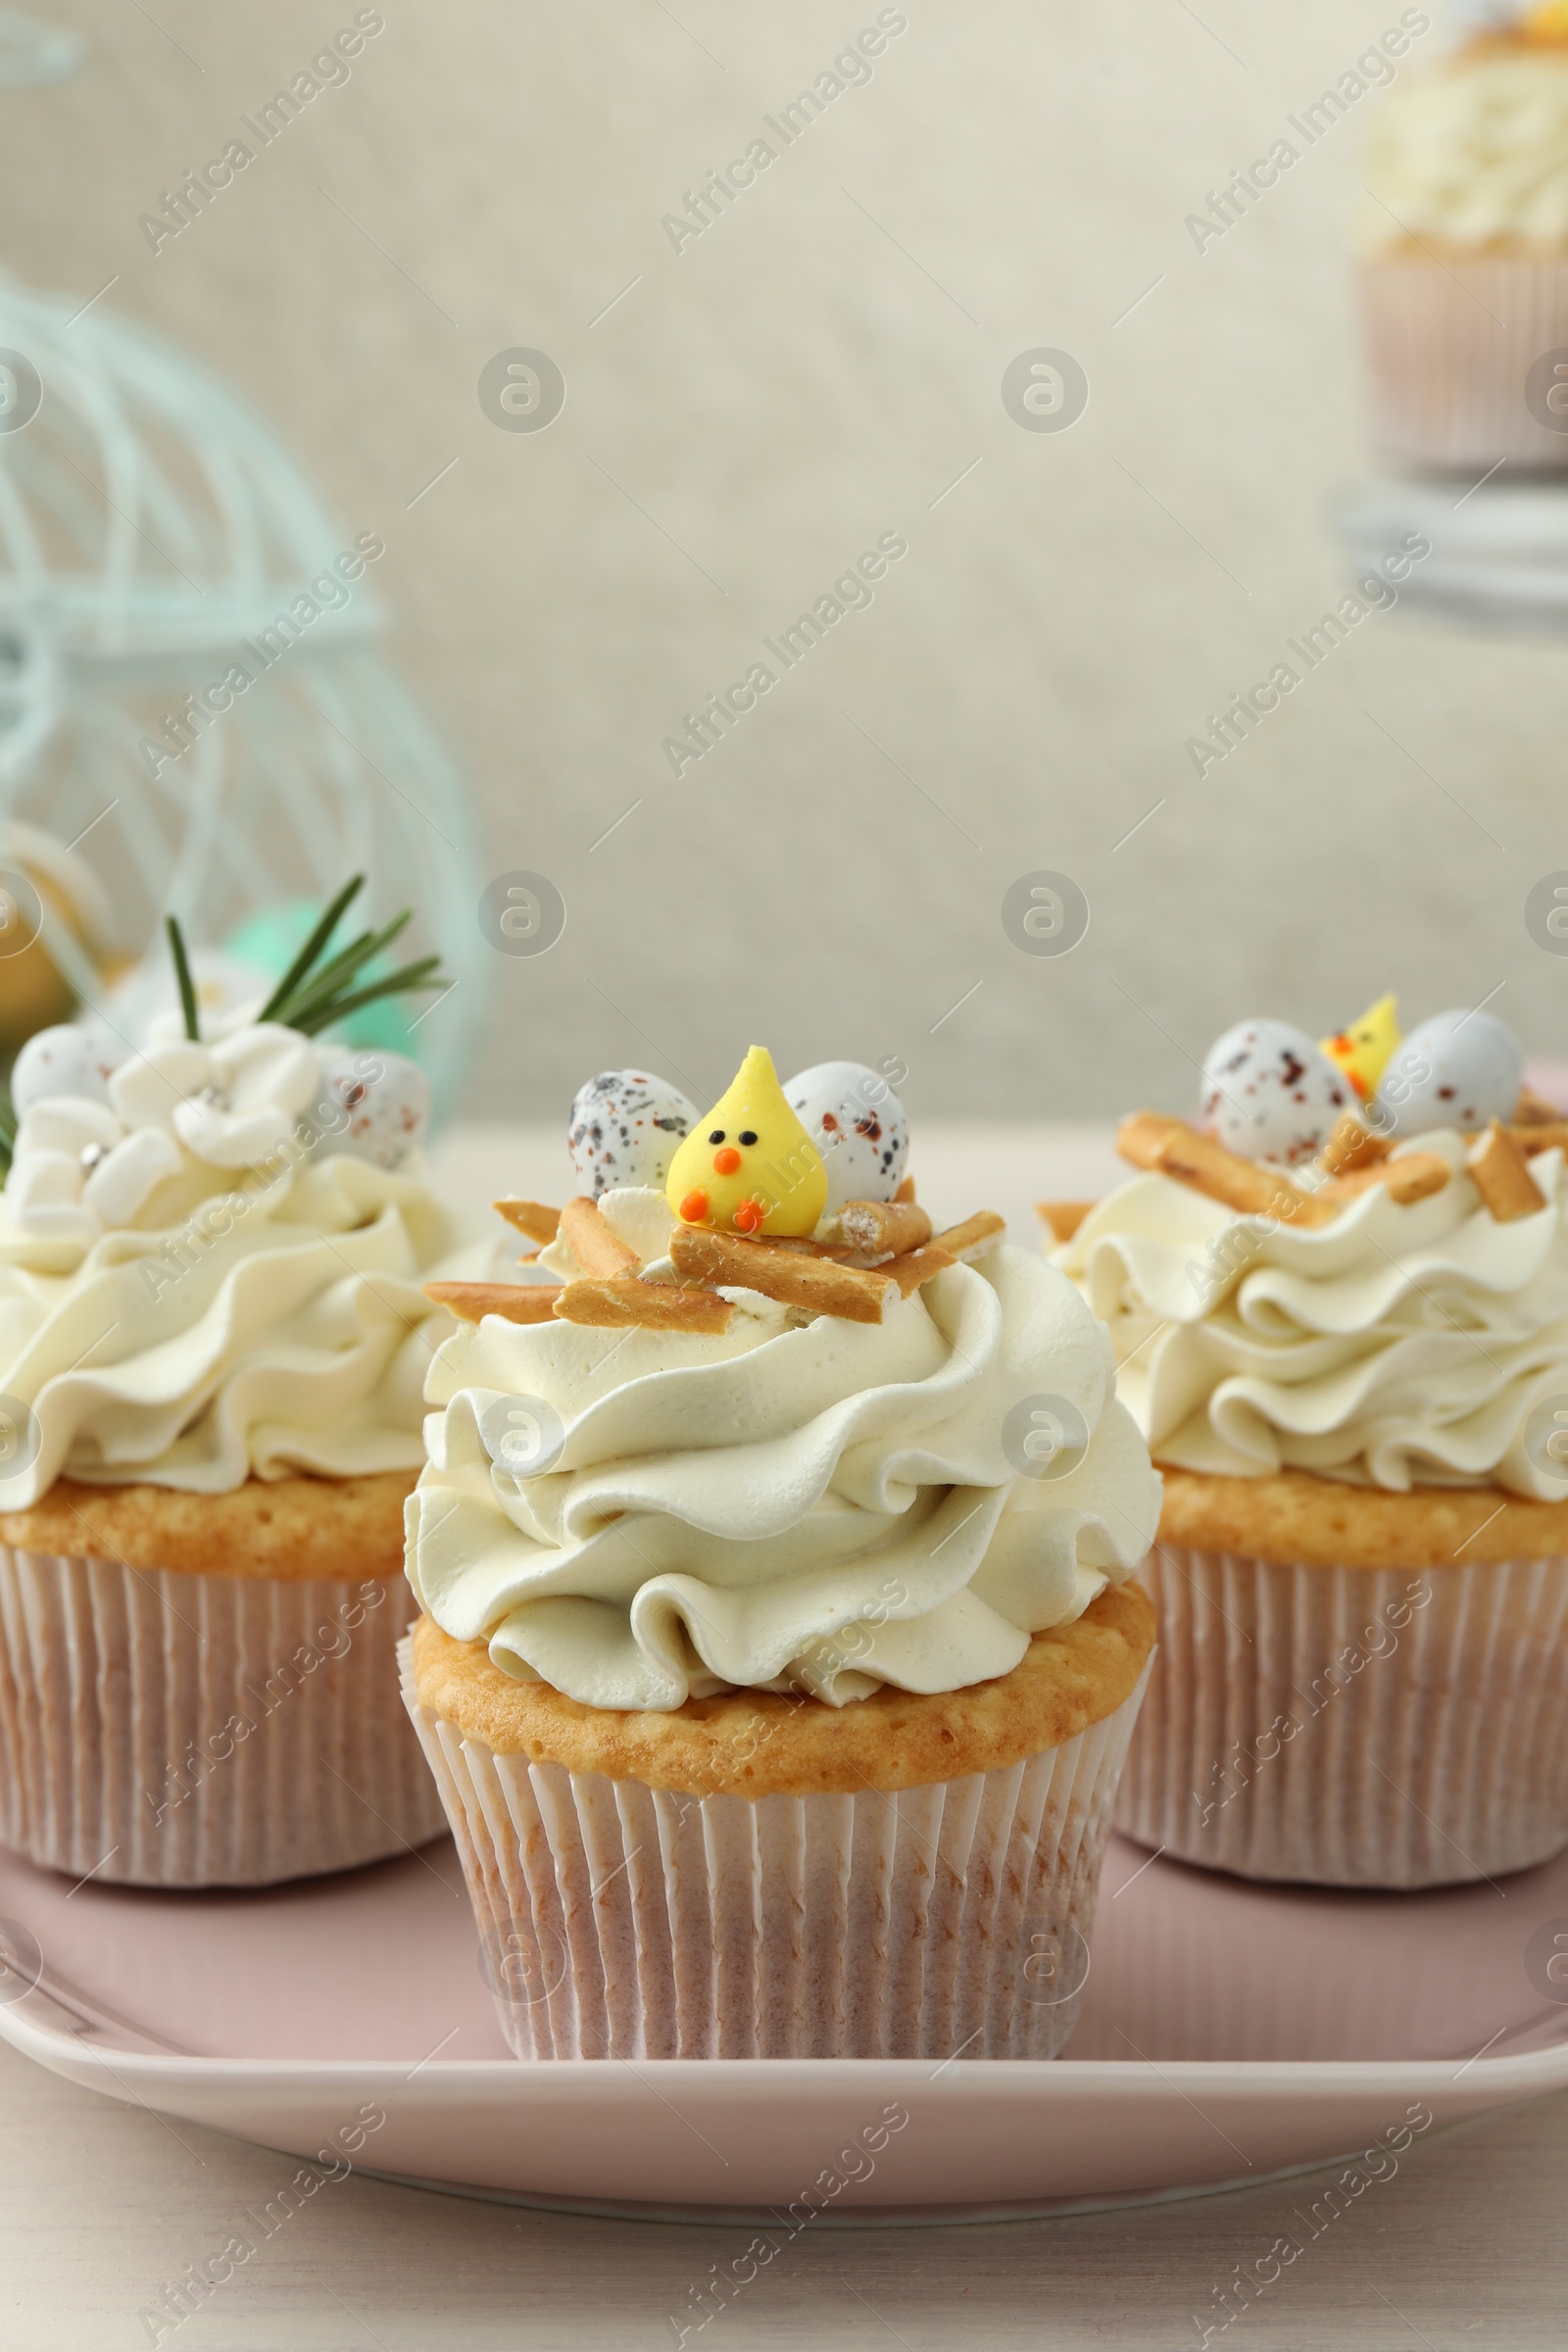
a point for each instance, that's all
(727, 1161)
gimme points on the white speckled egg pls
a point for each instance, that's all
(1460, 1070)
(387, 1099)
(62, 1060)
(1269, 1092)
(625, 1129)
(858, 1125)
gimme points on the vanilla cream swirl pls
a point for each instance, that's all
(1471, 155)
(1397, 1347)
(826, 1506)
(268, 1327)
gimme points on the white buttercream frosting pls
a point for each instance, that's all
(1472, 154)
(826, 1506)
(1397, 1347)
(245, 1324)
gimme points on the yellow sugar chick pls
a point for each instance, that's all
(1364, 1049)
(750, 1166)
(1549, 23)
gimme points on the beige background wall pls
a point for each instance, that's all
(813, 372)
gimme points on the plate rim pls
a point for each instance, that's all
(1525, 2074)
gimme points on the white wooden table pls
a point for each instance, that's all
(101, 2204)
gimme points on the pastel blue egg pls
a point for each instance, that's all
(1458, 1069)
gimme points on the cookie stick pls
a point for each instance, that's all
(530, 1217)
(1170, 1148)
(1502, 1176)
(884, 1229)
(623, 1304)
(515, 1301)
(598, 1251)
(817, 1286)
(973, 1237)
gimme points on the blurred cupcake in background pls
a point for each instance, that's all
(1338, 1303)
(213, 1341)
(1463, 246)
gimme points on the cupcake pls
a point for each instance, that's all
(779, 1650)
(1343, 1332)
(214, 1337)
(1463, 245)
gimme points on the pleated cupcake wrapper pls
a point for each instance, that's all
(1450, 347)
(199, 1730)
(619, 1920)
(1355, 1726)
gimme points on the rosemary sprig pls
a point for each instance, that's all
(8, 1128)
(311, 948)
(313, 994)
(426, 973)
(188, 990)
(343, 970)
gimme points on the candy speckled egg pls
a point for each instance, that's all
(858, 1125)
(1269, 1092)
(1460, 1070)
(626, 1128)
(387, 1099)
(62, 1060)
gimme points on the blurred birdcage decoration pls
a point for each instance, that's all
(194, 711)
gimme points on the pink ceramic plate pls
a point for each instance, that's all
(1229, 2031)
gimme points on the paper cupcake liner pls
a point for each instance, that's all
(1354, 1726)
(617, 1921)
(1450, 346)
(168, 1729)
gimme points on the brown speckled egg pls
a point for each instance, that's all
(625, 1128)
(387, 1100)
(1269, 1092)
(858, 1125)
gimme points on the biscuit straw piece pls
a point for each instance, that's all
(1502, 1176)
(974, 1234)
(531, 1217)
(1143, 1135)
(884, 1229)
(1351, 1146)
(817, 1286)
(1415, 1177)
(623, 1304)
(596, 1250)
(1533, 1110)
(1532, 1139)
(905, 1190)
(515, 1301)
(1063, 1216)
(914, 1267)
(1170, 1148)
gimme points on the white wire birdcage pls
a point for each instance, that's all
(156, 540)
